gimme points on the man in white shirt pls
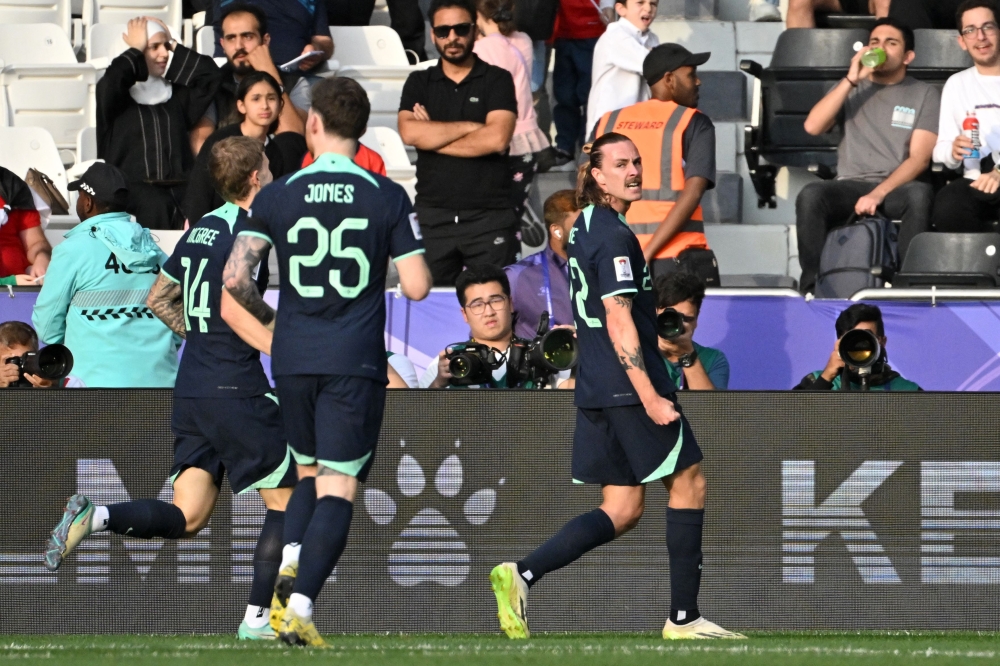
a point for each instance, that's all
(972, 203)
(616, 79)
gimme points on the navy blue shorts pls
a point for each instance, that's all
(621, 446)
(239, 437)
(333, 420)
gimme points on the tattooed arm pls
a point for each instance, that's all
(247, 252)
(625, 339)
(166, 300)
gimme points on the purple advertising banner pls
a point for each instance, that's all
(771, 341)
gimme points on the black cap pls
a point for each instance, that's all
(668, 57)
(103, 182)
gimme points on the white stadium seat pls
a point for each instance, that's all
(204, 42)
(36, 11)
(388, 144)
(105, 43)
(368, 45)
(23, 148)
(120, 11)
(35, 44)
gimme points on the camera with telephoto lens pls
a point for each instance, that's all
(535, 361)
(53, 362)
(471, 363)
(862, 355)
(670, 324)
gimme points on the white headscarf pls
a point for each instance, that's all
(154, 90)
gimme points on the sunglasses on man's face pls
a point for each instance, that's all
(461, 30)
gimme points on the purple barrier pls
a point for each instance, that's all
(771, 342)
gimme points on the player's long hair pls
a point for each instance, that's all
(587, 189)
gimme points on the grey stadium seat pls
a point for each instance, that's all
(951, 260)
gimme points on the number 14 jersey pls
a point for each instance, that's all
(334, 227)
(216, 363)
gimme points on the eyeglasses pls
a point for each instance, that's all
(461, 30)
(989, 28)
(496, 303)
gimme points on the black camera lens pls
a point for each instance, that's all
(559, 349)
(859, 348)
(670, 324)
(462, 365)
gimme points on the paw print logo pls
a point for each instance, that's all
(429, 548)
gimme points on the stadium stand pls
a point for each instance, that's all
(388, 144)
(43, 11)
(120, 11)
(43, 85)
(951, 260)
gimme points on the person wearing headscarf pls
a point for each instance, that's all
(259, 100)
(147, 101)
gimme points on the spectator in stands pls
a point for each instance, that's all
(148, 99)
(484, 296)
(259, 100)
(460, 116)
(691, 366)
(499, 44)
(677, 146)
(540, 282)
(889, 122)
(802, 13)
(972, 203)
(883, 378)
(925, 14)
(296, 29)
(401, 372)
(579, 24)
(618, 56)
(404, 15)
(23, 247)
(94, 296)
(247, 47)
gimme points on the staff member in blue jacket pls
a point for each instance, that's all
(94, 296)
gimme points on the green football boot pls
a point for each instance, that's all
(248, 633)
(71, 530)
(512, 600)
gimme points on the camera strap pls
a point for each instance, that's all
(548, 288)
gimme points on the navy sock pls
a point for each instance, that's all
(323, 544)
(147, 518)
(684, 549)
(267, 558)
(577, 537)
(300, 509)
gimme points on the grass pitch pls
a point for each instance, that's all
(812, 648)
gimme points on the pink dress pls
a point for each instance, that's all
(514, 54)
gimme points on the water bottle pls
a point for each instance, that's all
(873, 58)
(970, 129)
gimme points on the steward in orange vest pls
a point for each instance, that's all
(668, 219)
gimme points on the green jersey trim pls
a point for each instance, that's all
(169, 276)
(348, 468)
(588, 213)
(274, 478)
(408, 254)
(257, 234)
(333, 163)
(667, 467)
(302, 459)
(620, 291)
(228, 212)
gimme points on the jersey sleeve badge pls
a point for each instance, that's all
(623, 269)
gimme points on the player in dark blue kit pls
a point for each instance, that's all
(334, 227)
(629, 429)
(225, 419)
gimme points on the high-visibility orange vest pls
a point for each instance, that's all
(657, 130)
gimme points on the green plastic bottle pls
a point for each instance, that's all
(873, 58)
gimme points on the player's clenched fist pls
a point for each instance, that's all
(662, 411)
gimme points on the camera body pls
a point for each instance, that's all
(529, 362)
(53, 362)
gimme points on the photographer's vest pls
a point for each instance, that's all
(657, 130)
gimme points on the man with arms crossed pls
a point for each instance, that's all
(629, 430)
(225, 418)
(334, 226)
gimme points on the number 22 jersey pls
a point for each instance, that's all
(334, 227)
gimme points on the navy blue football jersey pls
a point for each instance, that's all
(216, 363)
(334, 227)
(605, 259)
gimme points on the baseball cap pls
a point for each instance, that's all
(668, 57)
(103, 182)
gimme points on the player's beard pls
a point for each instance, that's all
(461, 59)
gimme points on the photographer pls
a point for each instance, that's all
(882, 378)
(484, 294)
(16, 340)
(690, 365)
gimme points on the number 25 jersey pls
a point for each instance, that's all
(334, 227)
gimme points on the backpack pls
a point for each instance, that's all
(863, 254)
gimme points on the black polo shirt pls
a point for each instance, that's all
(461, 183)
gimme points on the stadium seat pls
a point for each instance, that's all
(204, 42)
(105, 43)
(388, 144)
(938, 56)
(42, 11)
(719, 37)
(370, 45)
(806, 63)
(120, 11)
(951, 260)
(26, 148)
